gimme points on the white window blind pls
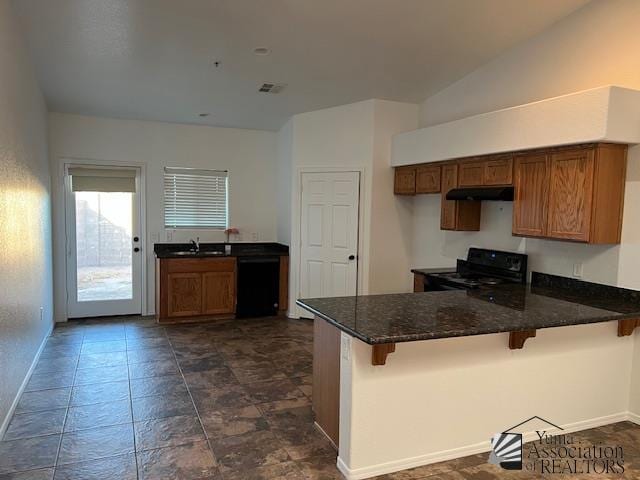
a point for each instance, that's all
(195, 198)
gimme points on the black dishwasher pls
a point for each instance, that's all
(258, 286)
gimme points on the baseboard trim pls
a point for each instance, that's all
(14, 404)
(473, 449)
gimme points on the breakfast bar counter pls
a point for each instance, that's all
(404, 380)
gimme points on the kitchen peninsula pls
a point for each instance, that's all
(401, 402)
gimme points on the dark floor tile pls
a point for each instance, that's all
(232, 421)
(257, 372)
(46, 381)
(168, 432)
(104, 336)
(63, 341)
(201, 363)
(162, 406)
(101, 347)
(43, 474)
(279, 471)
(35, 424)
(96, 443)
(147, 387)
(98, 415)
(42, 400)
(65, 363)
(216, 398)
(28, 454)
(276, 395)
(99, 393)
(145, 355)
(186, 462)
(294, 365)
(248, 451)
(60, 351)
(305, 384)
(216, 377)
(321, 468)
(296, 431)
(153, 369)
(103, 359)
(432, 470)
(101, 375)
(147, 342)
(122, 467)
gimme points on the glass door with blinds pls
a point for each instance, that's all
(104, 249)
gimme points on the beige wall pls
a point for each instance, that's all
(248, 155)
(25, 217)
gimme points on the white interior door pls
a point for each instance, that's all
(329, 234)
(104, 248)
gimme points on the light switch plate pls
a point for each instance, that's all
(345, 347)
(577, 270)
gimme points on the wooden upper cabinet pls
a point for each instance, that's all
(530, 195)
(405, 181)
(570, 195)
(449, 208)
(471, 173)
(428, 179)
(498, 171)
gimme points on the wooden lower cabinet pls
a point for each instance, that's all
(218, 293)
(326, 378)
(184, 294)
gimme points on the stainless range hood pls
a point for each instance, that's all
(504, 194)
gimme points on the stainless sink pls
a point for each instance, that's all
(190, 253)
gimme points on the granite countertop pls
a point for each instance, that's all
(427, 271)
(549, 301)
(167, 250)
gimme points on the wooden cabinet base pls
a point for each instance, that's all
(195, 319)
(326, 378)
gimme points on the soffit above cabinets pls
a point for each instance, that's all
(605, 114)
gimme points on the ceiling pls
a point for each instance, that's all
(154, 59)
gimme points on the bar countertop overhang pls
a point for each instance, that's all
(549, 301)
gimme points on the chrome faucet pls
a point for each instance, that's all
(195, 244)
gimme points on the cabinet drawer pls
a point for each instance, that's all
(498, 171)
(189, 265)
(471, 173)
(428, 179)
(405, 181)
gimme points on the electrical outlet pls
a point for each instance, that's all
(169, 236)
(41, 314)
(155, 237)
(254, 236)
(345, 348)
(577, 270)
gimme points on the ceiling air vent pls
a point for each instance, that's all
(271, 87)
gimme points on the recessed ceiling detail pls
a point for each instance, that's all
(154, 59)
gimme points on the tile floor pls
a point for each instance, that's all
(127, 399)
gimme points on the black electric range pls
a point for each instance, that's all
(482, 268)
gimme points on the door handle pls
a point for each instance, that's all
(352, 257)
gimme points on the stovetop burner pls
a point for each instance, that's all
(484, 268)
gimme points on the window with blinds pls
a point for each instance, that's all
(195, 198)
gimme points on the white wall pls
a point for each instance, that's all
(248, 155)
(25, 215)
(284, 178)
(571, 55)
(444, 399)
(357, 137)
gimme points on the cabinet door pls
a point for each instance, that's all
(571, 195)
(498, 171)
(405, 181)
(218, 293)
(184, 294)
(531, 195)
(471, 173)
(449, 208)
(428, 179)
